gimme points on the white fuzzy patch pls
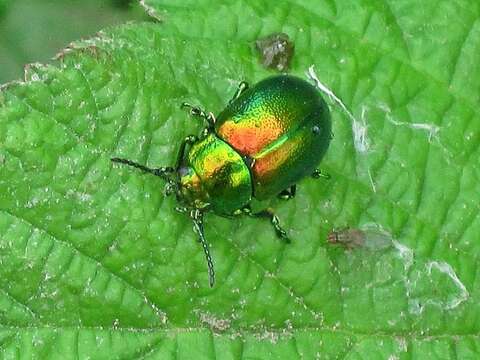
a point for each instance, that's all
(359, 128)
(431, 129)
(446, 269)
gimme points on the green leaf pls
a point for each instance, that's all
(95, 262)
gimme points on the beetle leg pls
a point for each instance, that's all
(269, 214)
(189, 140)
(197, 217)
(241, 88)
(317, 174)
(195, 111)
(164, 172)
(289, 193)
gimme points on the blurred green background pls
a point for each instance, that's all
(36, 30)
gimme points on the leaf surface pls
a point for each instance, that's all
(96, 262)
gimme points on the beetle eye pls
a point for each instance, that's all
(316, 130)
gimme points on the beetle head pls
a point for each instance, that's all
(190, 189)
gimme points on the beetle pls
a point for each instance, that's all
(268, 137)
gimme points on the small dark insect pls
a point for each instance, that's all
(370, 238)
(276, 51)
(268, 138)
(350, 238)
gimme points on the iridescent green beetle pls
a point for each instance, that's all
(268, 137)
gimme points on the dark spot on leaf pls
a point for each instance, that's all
(276, 51)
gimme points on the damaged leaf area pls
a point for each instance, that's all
(95, 262)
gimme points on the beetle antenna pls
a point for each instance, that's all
(198, 226)
(163, 172)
